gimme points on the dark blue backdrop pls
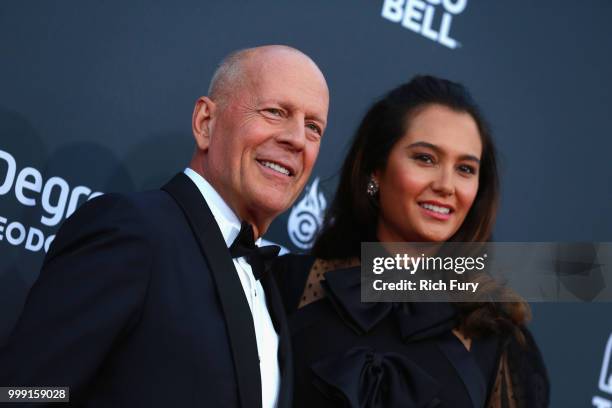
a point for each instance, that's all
(97, 96)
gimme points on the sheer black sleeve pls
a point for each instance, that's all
(291, 272)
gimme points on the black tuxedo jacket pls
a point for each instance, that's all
(139, 304)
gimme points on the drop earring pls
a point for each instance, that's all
(372, 188)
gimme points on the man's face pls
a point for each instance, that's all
(264, 139)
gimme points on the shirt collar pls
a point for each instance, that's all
(226, 219)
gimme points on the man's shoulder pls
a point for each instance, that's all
(122, 214)
(138, 206)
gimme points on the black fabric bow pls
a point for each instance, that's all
(364, 378)
(416, 320)
(244, 245)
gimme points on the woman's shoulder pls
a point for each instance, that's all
(292, 261)
(291, 272)
(527, 371)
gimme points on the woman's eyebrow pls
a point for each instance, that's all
(437, 149)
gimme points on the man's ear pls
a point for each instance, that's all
(203, 113)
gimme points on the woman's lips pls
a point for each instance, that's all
(435, 212)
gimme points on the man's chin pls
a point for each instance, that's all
(271, 206)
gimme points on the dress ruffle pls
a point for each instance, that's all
(364, 378)
(416, 320)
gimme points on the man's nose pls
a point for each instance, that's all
(293, 136)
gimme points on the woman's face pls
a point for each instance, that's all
(431, 178)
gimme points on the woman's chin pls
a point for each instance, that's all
(433, 237)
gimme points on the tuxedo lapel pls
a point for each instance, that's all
(239, 322)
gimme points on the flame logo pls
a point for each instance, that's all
(306, 217)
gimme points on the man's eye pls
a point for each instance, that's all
(274, 111)
(315, 128)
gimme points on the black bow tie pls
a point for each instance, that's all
(244, 245)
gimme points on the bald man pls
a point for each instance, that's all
(160, 298)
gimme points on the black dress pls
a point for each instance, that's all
(366, 355)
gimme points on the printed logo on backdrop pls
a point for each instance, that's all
(605, 378)
(430, 18)
(27, 187)
(306, 217)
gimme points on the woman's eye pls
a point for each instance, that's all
(464, 168)
(425, 158)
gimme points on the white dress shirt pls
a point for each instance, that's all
(267, 338)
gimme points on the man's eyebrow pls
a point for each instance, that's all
(322, 121)
(291, 107)
(437, 149)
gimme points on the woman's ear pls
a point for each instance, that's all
(375, 175)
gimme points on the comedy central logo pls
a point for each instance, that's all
(431, 18)
(306, 217)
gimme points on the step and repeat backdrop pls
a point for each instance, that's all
(97, 97)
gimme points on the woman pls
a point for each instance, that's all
(421, 169)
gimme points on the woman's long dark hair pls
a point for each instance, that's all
(352, 217)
